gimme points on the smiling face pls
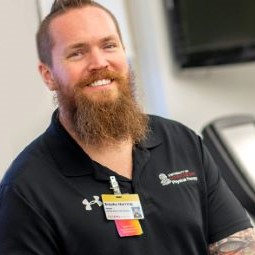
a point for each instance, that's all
(87, 50)
(90, 75)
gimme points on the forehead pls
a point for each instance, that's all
(86, 23)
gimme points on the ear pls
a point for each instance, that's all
(47, 76)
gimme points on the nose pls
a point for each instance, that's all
(97, 60)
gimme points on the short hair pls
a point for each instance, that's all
(44, 40)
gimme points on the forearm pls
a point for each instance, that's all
(242, 242)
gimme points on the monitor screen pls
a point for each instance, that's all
(212, 32)
(217, 24)
(240, 142)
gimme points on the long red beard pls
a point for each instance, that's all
(97, 122)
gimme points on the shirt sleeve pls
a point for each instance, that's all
(226, 215)
(22, 229)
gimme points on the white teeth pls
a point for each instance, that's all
(100, 83)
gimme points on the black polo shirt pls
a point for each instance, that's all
(186, 203)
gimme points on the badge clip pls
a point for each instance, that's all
(115, 185)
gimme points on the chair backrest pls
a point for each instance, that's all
(231, 141)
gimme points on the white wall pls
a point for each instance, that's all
(25, 104)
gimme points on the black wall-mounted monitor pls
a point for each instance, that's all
(211, 32)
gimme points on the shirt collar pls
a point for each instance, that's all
(71, 158)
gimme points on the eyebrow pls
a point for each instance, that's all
(108, 38)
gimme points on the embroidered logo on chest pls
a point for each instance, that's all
(88, 205)
(177, 177)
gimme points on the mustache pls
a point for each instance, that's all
(100, 75)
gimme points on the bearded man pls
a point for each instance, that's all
(105, 178)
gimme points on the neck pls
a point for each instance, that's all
(116, 156)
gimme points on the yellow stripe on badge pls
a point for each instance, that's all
(120, 198)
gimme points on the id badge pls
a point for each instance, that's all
(122, 207)
(125, 210)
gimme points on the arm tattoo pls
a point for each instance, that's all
(240, 243)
